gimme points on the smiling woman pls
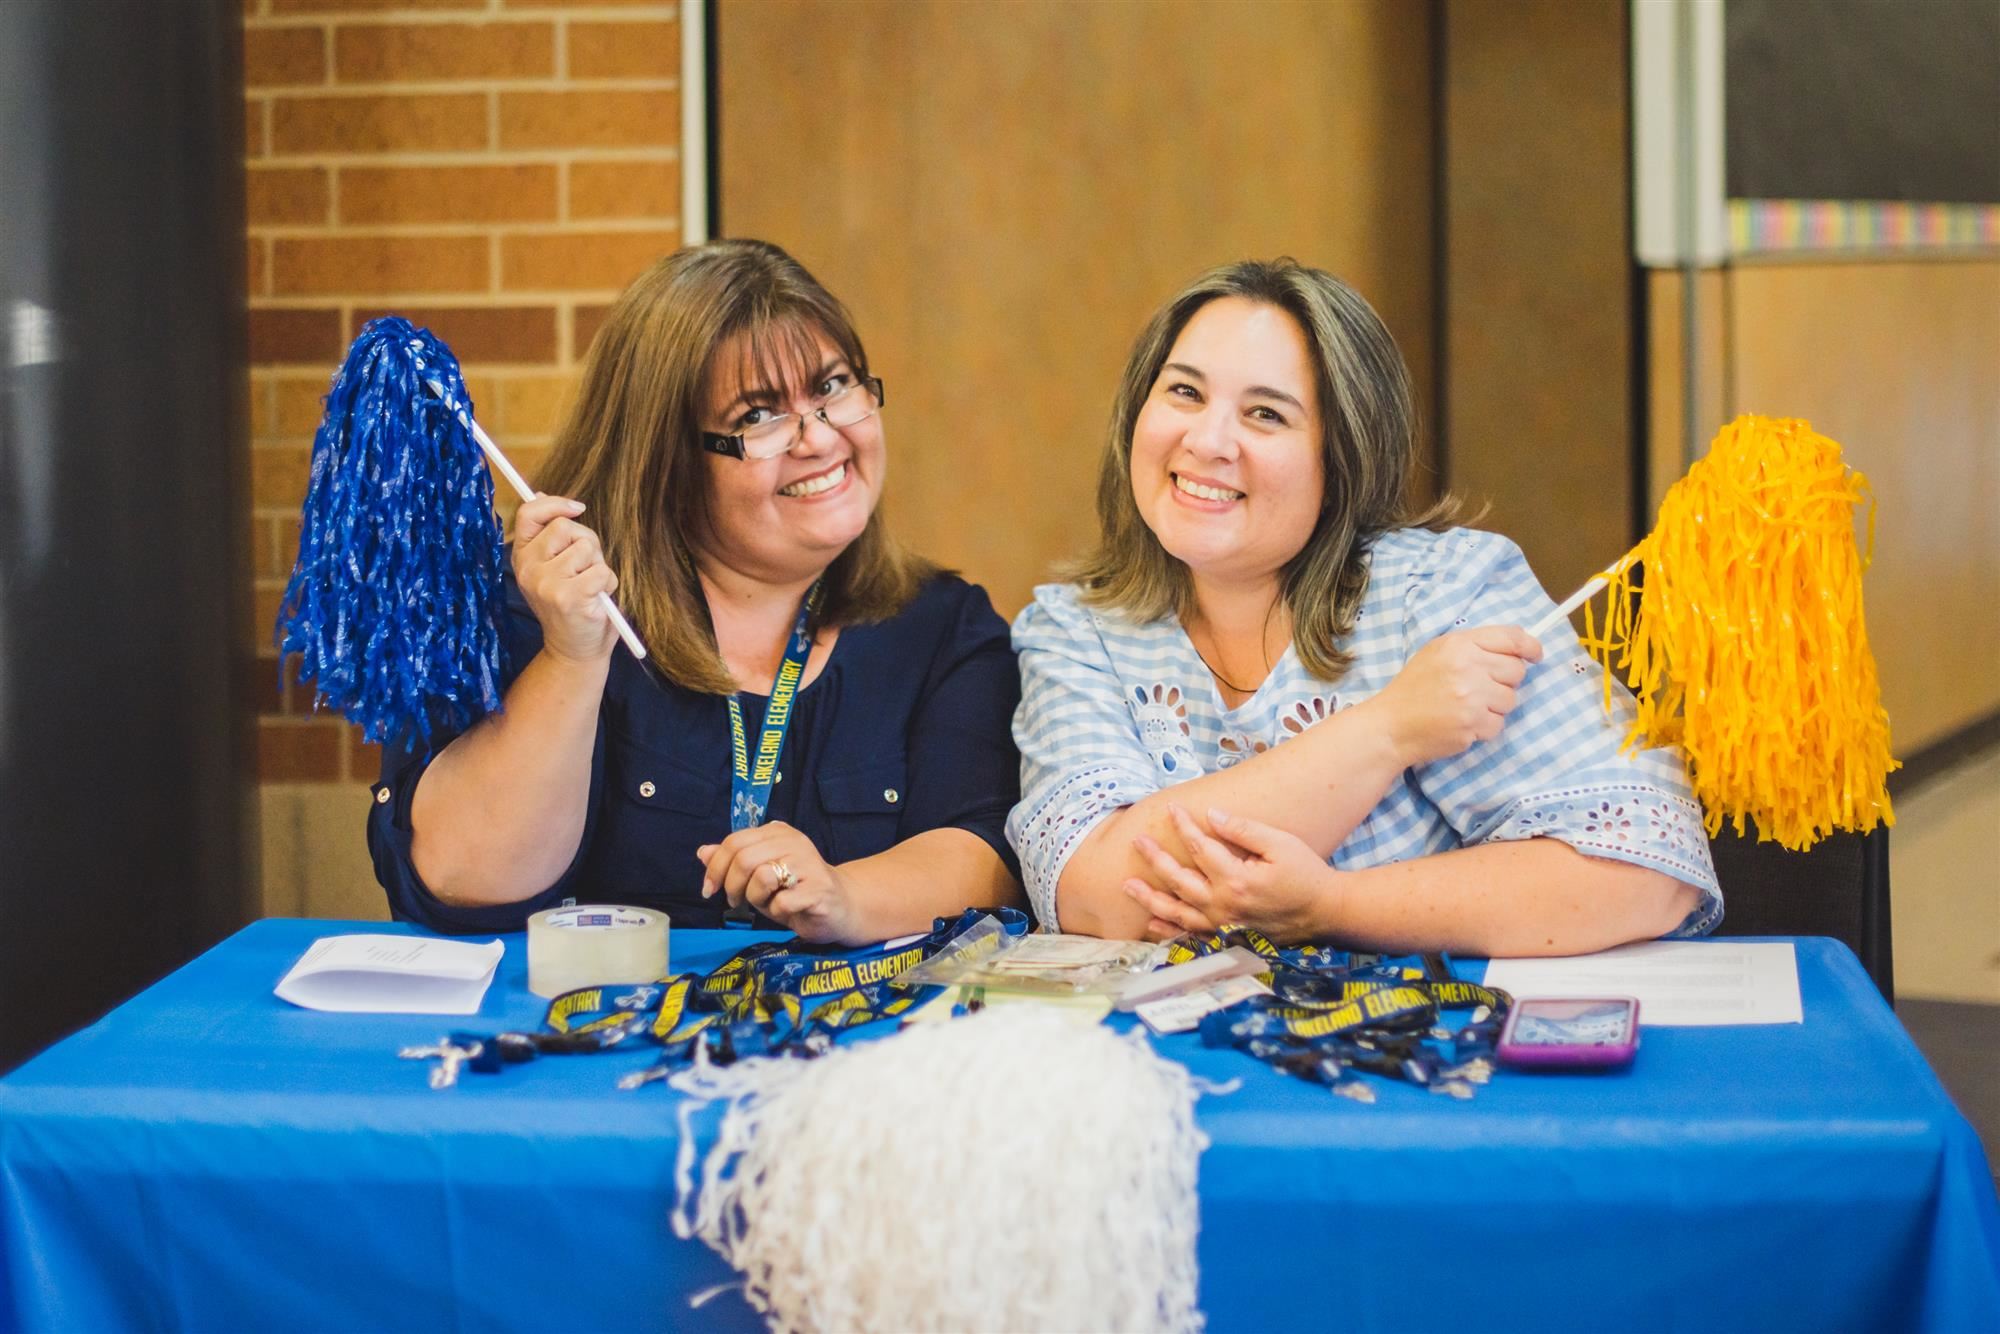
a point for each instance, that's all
(1267, 629)
(820, 733)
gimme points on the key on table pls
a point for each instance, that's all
(450, 1057)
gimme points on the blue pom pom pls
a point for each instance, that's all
(394, 606)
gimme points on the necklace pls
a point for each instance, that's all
(1217, 675)
(1262, 647)
(1241, 690)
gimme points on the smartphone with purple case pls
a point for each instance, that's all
(1591, 1033)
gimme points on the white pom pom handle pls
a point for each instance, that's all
(526, 492)
(1570, 604)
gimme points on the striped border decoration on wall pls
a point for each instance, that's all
(1839, 226)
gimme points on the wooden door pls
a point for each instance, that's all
(1003, 193)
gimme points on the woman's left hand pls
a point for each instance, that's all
(1278, 884)
(776, 870)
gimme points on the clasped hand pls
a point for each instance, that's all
(776, 870)
(1239, 872)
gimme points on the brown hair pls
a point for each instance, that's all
(631, 447)
(1367, 455)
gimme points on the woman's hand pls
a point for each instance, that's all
(1456, 690)
(1279, 885)
(776, 870)
(560, 566)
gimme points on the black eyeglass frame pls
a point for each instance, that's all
(731, 446)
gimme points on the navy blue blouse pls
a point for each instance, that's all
(906, 729)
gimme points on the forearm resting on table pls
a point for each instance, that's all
(1533, 897)
(1318, 786)
(499, 814)
(938, 873)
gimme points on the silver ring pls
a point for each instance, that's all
(783, 875)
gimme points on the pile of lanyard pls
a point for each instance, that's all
(753, 1004)
(1330, 1016)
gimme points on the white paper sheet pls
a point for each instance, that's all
(1677, 982)
(392, 975)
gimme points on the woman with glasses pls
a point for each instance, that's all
(819, 734)
(1278, 695)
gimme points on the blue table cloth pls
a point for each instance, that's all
(207, 1157)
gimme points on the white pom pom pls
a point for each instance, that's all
(1014, 1169)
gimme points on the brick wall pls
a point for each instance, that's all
(494, 169)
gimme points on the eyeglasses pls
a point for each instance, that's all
(781, 434)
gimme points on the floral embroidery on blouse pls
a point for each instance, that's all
(1161, 715)
(1236, 747)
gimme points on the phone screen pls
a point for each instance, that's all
(1573, 1023)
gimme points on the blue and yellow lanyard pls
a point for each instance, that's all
(754, 1004)
(750, 784)
(1328, 1017)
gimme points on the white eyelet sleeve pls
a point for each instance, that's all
(1082, 756)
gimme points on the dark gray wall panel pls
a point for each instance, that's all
(126, 779)
(1863, 99)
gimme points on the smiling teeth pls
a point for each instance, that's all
(1205, 492)
(812, 486)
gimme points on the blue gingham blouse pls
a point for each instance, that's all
(1112, 710)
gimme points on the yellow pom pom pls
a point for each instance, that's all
(1746, 644)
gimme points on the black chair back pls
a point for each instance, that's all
(1839, 887)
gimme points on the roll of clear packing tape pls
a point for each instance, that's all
(589, 944)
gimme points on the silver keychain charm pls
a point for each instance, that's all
(449, 1057)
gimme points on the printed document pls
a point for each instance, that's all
(1677, 982)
